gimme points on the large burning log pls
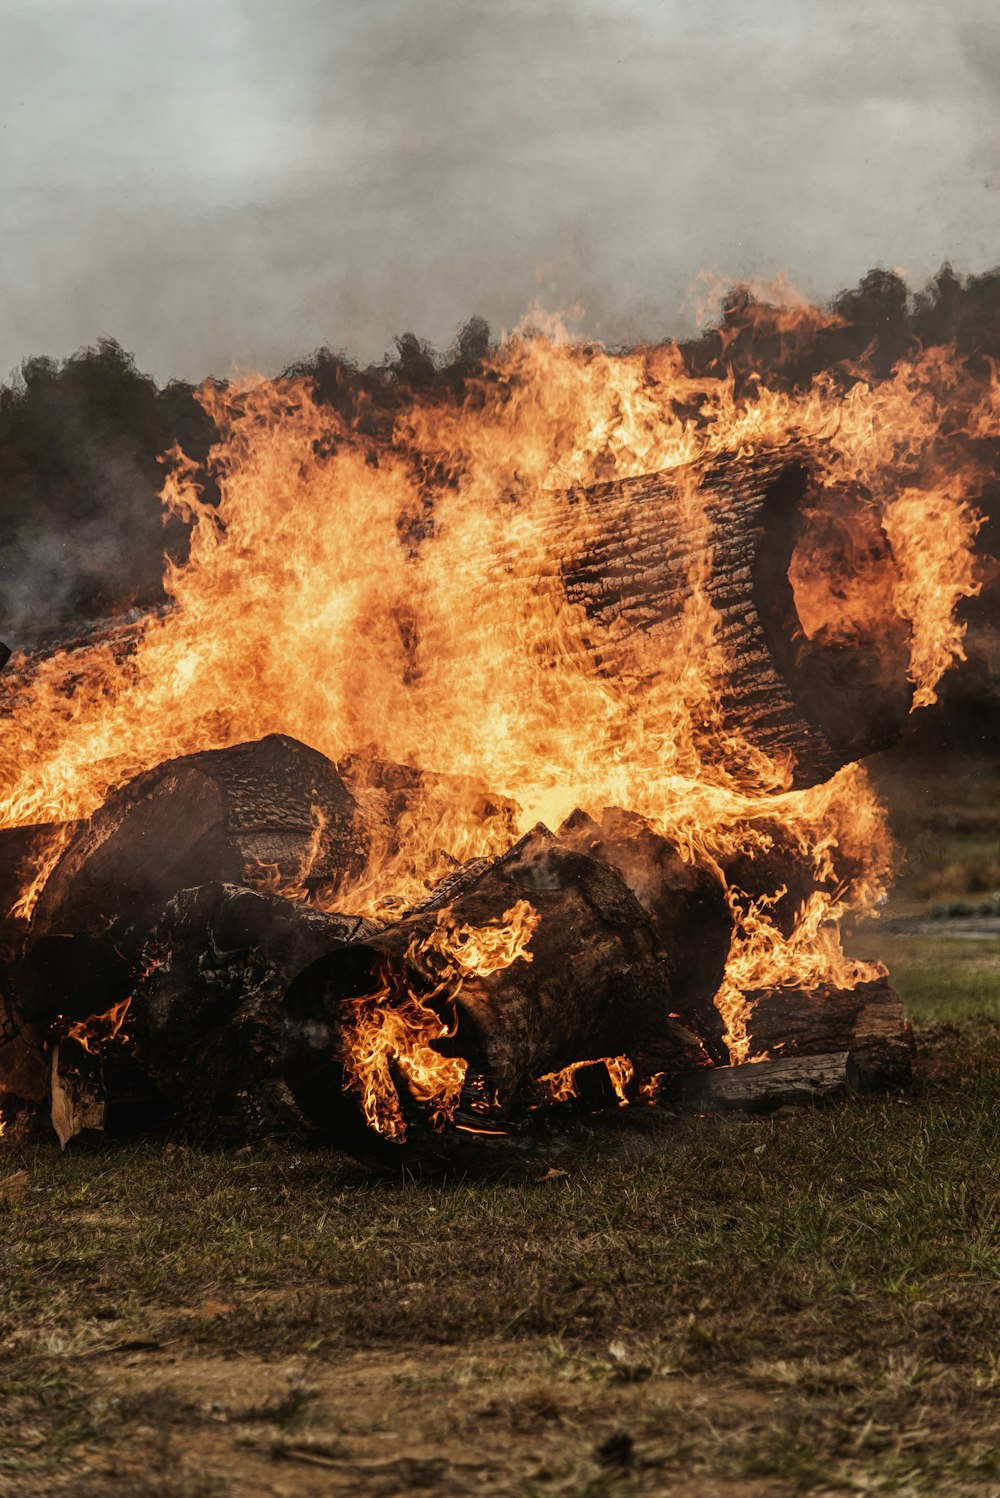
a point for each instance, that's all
(823, 689)
(273, 810)
(543, 959)
(686, 906)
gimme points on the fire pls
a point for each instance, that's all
(560, 1086)
(97, 1032)
(331, 595)
(396, 1027)
(46, 860)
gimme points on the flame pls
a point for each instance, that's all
(331, 596)
(396, 1027)
(44, 861)
(97, 1032)
(560, 1086)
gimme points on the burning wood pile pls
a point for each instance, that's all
(584, 814)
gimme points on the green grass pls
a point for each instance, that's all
(949, 977)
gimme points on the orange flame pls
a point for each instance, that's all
(320, 599)
(97, 1032)
(397, 1027)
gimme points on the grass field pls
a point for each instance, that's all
(805, 1303)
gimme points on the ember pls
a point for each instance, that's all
(601, 597)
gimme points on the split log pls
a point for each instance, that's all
(786, 1081)
(867, 1020)
(820, 702)
(597, 984)
(686, 906)
(78, 1102)
(206, 1018)
(273, 811)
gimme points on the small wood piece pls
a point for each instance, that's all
(78, 1103)
(867, 1020)
(787, 1081)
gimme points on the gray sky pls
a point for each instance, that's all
(220, 181)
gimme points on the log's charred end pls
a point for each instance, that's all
(314, 1014)
(5, 654)
(824, 581)
(73, 976)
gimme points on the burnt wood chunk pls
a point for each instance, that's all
(77, 1100)
(268, 813)
(686, 906)
(597, 984)
(867, 1020)
(23, 1065)
(206, 1018)
(787, 1081)
(819, 703)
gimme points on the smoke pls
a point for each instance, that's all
(81, 528)
(245, 180)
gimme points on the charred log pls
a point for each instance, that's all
(23, 1067)
(597, 984)
(786, 1081)
(273, 811)
(821, 701)
(206, 1018)
(686, 907)
(867, 1020)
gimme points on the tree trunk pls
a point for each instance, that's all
(822, 702)
(597, 984)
